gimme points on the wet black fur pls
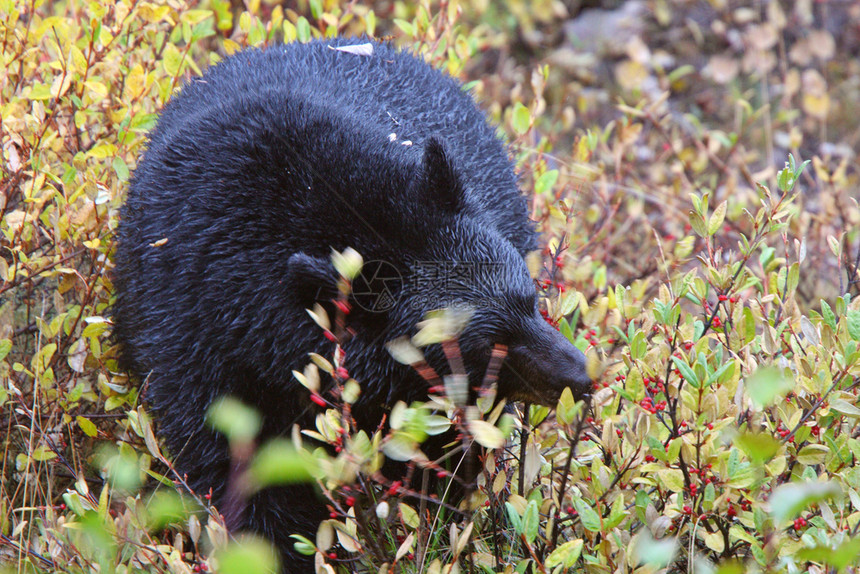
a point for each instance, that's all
(255, 171)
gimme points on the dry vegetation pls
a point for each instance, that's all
(687, 249)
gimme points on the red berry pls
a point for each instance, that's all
(799, 523)
(318, 399)
(350, 501)
(343, 306)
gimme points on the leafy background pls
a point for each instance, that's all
(709, 272)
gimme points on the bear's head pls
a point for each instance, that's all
(437, 254)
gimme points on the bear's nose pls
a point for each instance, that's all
(543, 363)
(567, 365)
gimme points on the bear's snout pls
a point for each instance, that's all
(544, 363)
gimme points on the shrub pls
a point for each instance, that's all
(717, 292)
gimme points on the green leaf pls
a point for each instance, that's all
(567, 554)
(827, 314)
(278, 462)
(142, 123)
(744, 477)
(237, 421)
(5, 348)
(302, 545)
(303, 30)
(400, 446)
(854, 324)
(407, 27)
(251, 555)
(409, 516)
(43, 453)
(172, 60)
(348, 264)
(717, 218)
(120, 168)
(87, 426)
(759, 447)
(163, 508)
(514, 517)
(589, 518)
(790, 499)
(688, 373)
(672, 479)
(40, 92)
(530, 522)
(545, 184)
(840, 557)
(486, 434)
(813, 454)
(521, 118)
(697, 222)
(844, 407)
(617, 514)
(567, 407)
(441, 325)
(767, 386)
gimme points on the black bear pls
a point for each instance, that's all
(254, 173)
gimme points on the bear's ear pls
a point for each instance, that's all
(440, 182)
(312, 279)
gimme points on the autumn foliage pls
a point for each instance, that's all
(696, 186)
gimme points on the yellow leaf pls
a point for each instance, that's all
(630, 74)
(102, 150)
(153, 13)
(486, 434)
(714, 541)
(134, 82)
(672, 479)
(87, 426)
(97, 90)
(172, 60)
(40, 92)
(816, 106)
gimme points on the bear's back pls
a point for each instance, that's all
(387, 100)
